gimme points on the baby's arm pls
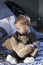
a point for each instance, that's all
(34, 40)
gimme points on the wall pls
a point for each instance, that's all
(2, 1)
(41, 13)
(33, 8)
(30, 6)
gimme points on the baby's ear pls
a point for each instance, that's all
(26, 26)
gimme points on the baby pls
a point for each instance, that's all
(23, 43)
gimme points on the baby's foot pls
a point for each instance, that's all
(11, 59)
(29, 60)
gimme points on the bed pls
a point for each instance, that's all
(39, 58)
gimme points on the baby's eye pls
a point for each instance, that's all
(18, 28)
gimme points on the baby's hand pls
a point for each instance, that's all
(32, 46)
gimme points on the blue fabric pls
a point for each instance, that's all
(38, 59)
(4, 11)
(38, 34)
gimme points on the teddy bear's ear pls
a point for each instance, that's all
(7, 44)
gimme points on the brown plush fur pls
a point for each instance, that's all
(21, 49)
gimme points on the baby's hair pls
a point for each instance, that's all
(24, 19)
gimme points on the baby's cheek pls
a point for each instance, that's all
(21, 30)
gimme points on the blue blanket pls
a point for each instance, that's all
(38, 59)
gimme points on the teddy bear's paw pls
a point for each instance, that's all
(29, 60)
(11, 59)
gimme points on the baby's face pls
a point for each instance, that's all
(22, 29)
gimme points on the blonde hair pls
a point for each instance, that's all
(25, 20)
